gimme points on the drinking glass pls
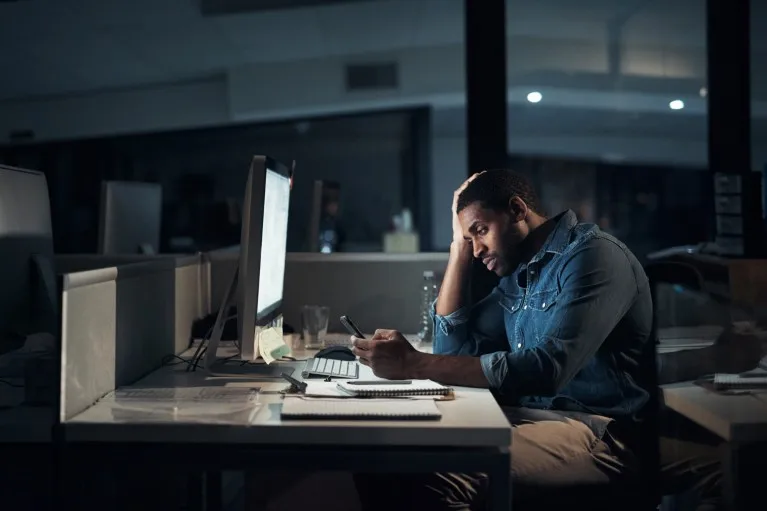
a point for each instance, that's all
(314, 323)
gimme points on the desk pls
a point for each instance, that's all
(473, 436)
(741, 421)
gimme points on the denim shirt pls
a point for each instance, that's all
(564, 331)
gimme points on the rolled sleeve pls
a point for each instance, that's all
(447, 324)
(495, 366)
(470, 330)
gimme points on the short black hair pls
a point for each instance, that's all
(494, 189)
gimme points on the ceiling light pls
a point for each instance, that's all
(703, 92)
(677, 104)
(534, 97)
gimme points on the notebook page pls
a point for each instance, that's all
(379, 409)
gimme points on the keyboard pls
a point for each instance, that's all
(330, 367)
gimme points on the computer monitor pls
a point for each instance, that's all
(130, 219)
(257, 286)
(27, 280)
(322, 229)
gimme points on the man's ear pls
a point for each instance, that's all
(518, 210)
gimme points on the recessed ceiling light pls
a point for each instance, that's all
(534, 97)
(677, 104)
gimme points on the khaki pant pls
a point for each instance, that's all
(549, 452)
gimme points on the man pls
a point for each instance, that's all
(560, 337)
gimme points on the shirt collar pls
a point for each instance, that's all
(559, 238)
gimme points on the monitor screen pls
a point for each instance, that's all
(273, 241)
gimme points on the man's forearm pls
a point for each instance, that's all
(685, 365)
(448, 369)
(453, 290)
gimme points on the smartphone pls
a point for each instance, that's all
(351, 327)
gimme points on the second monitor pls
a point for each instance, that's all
(130, 217)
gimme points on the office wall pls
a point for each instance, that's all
(449, 169)
(368, 169)
(377, 290)
(363, 153)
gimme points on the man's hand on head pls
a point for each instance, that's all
(388, 353)
(457, 230)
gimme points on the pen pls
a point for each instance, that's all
(380, 382)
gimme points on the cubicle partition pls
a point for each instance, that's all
(378, 290)
(119, 322)
(71, 263)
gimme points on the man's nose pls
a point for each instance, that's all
(479, 249)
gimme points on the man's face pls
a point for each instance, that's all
(495, 236)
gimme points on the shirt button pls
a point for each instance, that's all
(519, 345)
(543, 304)
(525, 307)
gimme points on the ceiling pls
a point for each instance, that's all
(56, 47)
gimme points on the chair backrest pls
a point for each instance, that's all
(649, 452)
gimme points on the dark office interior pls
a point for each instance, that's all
(194, 192)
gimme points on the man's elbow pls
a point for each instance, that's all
(553, 376)
(546, 387)
(466, 347)
(542, 387)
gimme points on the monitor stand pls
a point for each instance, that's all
(233, 368)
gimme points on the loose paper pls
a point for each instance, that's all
(271, 345)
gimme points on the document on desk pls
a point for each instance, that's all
(319, 408)
(196, 405)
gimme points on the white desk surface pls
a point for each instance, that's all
(739, 418)
(473, 419)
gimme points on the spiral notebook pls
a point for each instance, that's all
(301, 407)
(752, 380)
(416, 388)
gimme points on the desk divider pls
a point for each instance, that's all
(75, 263)
(119, 322)
(377, 290)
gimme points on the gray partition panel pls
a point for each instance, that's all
(376, 290)
(190, 299)
(119, 323)
(87, 343)
(220, 266)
